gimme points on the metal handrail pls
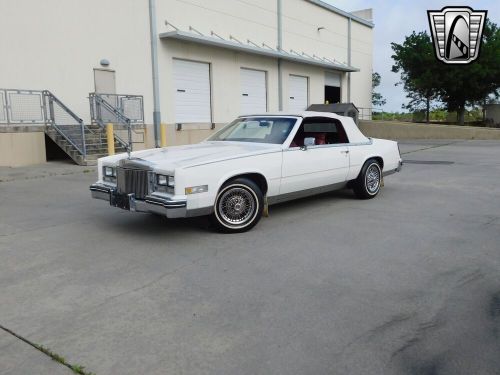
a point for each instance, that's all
(50, 119)
(66, 109)
(119, 104)
(120, 116)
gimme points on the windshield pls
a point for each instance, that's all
(256, 129)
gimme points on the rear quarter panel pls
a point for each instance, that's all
(359, 154)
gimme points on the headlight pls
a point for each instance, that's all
(171, 181)
(165, 180)
(109, 173)
(162, 180)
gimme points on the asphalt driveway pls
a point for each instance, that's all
(407, 283)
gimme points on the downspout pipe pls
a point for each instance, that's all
(280, 47)
(349, 20)
(154, 70)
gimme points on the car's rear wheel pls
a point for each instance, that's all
(238, 206)
(369, 181)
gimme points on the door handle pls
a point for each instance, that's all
(344, 151)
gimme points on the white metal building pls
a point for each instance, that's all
(216, 59)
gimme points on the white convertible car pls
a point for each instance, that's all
(252, 162)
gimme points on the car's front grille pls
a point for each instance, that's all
(132, 181)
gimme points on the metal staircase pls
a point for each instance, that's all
(96, 143)
(84, 144)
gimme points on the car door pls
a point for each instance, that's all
(324, 163)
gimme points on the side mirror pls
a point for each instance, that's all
(308, 141)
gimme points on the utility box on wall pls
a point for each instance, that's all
(341, 109)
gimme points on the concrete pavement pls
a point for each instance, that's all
(407, 283)
(17, 357)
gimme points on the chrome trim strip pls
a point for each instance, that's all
(167, 203)
(298, 148)
(100, 188)
(305, 193)
(392, 171)
(388, 173)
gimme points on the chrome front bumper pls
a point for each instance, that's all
(151, 203)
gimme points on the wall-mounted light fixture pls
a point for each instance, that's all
(104, 62)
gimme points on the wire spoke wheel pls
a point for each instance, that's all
(236, 206)
(369, 181)
(373, 178)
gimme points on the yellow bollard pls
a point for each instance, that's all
(111, 139)
(163, 135)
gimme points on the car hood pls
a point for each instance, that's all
(169, 158)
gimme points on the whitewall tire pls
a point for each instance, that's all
(369, 181)
(238, 206)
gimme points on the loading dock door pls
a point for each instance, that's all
(192, 92)
(332, 87)
(298, 93)
(253, 91)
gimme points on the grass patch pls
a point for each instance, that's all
(77, 369)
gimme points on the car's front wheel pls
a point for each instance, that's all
(238, 206)
(369, 181)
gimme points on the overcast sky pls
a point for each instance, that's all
(393, 21)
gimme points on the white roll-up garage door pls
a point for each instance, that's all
(253, 91)
(298, 93)
(332, 79)
(192, 92)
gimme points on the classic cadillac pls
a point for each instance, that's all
(253, 162)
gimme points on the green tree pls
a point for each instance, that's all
(414, 60)
(457, 86)
(377, 99)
